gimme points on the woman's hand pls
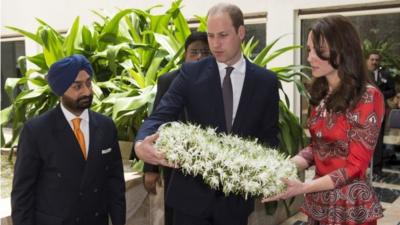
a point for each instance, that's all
(294, 187)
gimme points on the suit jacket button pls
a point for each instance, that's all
(77, 219)
(106, 168)
(95, 190)
(80, 194)
(96, 214)
(59, 175)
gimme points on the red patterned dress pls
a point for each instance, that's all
(342, 145)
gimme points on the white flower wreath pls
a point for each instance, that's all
(229, 162)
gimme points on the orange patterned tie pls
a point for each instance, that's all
(79, 135)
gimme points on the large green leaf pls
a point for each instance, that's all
(151, 74)
(52, 46)
(87, 38)
(39, 61)
(97, 91)
(139, 78)
(10, 86)
(111, 28)
(110, 85)
(30, 95)
(181, 26)
(249, 47)
(158, 23)
(127, 104)
(131, 21)
(5, 115)
(168, 43)
(112, 55)
(203, 23)
(69, 43)
(54, 31)
(276, 53)
(259, 58)
(173, 62)
(36, 81)
(28, 34)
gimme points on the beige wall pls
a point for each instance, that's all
(61, 13)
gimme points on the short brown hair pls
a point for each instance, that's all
(233, 11)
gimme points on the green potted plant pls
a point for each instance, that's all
(128, 52)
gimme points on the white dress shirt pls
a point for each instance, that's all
(237, 78)
(376, 75)
(84, 123)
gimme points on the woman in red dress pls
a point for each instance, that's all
(344, 122)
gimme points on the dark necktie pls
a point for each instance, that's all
(227, 94)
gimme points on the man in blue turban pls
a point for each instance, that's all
(69, 168)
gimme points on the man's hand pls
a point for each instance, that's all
(145, 151)
(150, 180)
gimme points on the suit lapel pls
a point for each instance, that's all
(245, 96)
(95, 135)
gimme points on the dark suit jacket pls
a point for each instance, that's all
(54, 185)
(198, 88)
(163, 83)
(385, 83)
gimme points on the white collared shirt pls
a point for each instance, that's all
(237, 78)
(84, 123)
(376, 75)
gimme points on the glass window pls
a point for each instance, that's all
(10, 52)
(259, 31)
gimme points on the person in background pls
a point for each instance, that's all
(393, 142)
(196, 48)
(226, 92)
(68, 169)
(344, 123)
(385, 83)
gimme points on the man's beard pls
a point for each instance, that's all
(78, 105)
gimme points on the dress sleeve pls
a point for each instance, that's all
(307, 154)
(364, 123)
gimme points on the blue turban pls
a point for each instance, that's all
(64, 72)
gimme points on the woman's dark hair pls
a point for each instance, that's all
(345, 55)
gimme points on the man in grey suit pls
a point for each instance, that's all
(69, 168)
(226, 92)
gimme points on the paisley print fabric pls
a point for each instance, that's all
(355, 203)
(341, 147)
